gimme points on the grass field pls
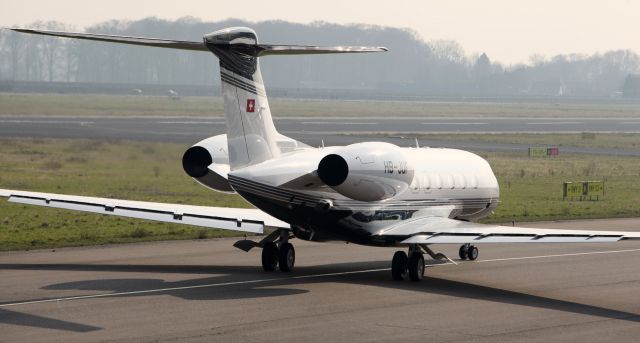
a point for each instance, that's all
(129, 170)
(625, 141)
(122, 105)
(530, 189)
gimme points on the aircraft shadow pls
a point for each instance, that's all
(23, 319)
(479, 292)
(193, 269)
(279, 284)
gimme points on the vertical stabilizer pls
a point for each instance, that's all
(251, 135)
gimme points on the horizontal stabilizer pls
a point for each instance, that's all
(267, 49)
(160, 43)
(255, 49)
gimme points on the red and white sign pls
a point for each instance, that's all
(251, 105)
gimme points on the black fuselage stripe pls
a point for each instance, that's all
(298, 198)
(274, 190)
(263, 187)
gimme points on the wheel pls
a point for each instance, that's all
(286, 257)
(416, 266)
(472, 253)
(270, 257)
(399, 265)
(463, 252)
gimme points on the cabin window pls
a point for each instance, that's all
(435, 181)
(425, 182)
(449, 181)
(472, 181)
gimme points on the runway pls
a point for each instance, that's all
(207, 290)
(176, 128)
(315, 131)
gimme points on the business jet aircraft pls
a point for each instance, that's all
(370, 193)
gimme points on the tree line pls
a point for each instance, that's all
(412, 65)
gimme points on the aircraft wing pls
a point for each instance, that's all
(237, 219)
(438, 230)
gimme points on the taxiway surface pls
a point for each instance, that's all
(209, 291)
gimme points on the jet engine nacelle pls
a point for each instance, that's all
(208, 163)
(367, 171)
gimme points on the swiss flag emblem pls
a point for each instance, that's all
(251, 105)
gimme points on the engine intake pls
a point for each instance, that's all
(208, 163)
(196, 161)
(333, 170)
(371, 171)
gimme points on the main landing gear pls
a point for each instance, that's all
(468, 252)
(412, 264)
(280, 254)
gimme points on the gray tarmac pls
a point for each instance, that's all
(206, 290)
(314, 131)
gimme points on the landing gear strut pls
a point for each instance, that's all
(277, 254)
(468, 251)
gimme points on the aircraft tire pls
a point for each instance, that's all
(270, 256)
(399, 265)
(463, 252)
(472, 254)
(286, 257)
(416, 266)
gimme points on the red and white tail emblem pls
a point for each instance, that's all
(251, 105)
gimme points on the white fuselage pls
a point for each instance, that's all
(446, 183)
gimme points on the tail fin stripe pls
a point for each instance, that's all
(243, 85)
(249, 83)
(239, 85)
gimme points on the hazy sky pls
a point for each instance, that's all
(507, 30)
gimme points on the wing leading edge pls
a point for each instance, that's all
(237, 219)
(437, 230)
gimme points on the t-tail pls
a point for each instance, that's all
(251, 134)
